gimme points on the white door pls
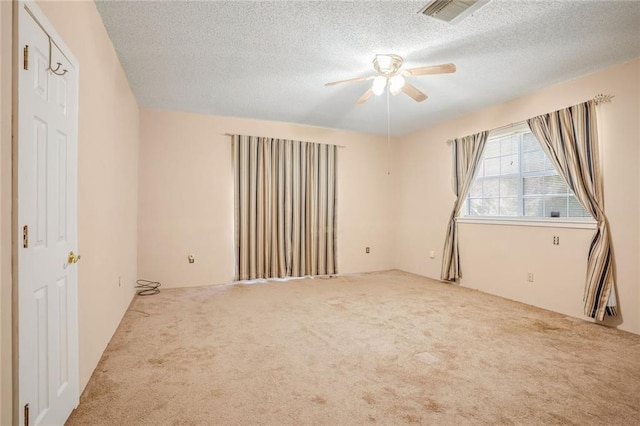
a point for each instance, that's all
(47, 222)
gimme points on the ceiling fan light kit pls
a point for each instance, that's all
(379, 84)
(396, 83)
(391, 75)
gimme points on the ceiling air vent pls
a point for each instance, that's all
(452, 11)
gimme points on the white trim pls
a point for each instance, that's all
(509, 130)
(586, 223)
(504, 131)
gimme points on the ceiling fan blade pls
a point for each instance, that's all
(365, 96)
(351, 80)
(413, 91)
(431, 69)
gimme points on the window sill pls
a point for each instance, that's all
(538, 222)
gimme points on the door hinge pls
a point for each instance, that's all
(26, 415)
(25, 236)
(26, 57)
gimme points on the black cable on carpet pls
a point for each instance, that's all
(147, 288)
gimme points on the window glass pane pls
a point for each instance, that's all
(534, 157)
(509, 164)
(492, 166)
(557, 205)
(491, 206)
(476, 189)
(533, 207)
(530, 143)
(475, 207)
(533, 161)
(555, 185)
(509, 206)
(533, 185)
(509, 186)
(492, 148)
(509, 145)
(491, 187)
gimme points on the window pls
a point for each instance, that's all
(516, 179)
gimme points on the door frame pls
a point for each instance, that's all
(16, 237)
(8, 110)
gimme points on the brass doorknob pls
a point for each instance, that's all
(73, 258)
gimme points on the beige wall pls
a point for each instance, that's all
(496, 259)
(5, 213)
(108, 177)
(186, 195)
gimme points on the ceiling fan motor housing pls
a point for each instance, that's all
(387, 64)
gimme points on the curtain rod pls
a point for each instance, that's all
(332, 144)
(597, 99)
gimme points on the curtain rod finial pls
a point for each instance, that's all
(602, 98)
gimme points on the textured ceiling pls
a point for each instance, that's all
(270, 59)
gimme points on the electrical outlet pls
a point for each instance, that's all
(530, 277)
(119, 281)
(556, 240)
(366, 250)
(191, 259)
(432, 254)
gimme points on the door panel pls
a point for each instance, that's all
(40, 76)
(47, 206)
(63, 343)
(62, 154)
(40, 136)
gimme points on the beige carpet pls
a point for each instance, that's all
(387, 348)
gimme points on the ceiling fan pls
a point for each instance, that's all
(390, 74)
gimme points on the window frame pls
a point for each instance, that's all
(586, 222)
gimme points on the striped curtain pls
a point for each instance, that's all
(467, 153)
(570, 139)
(285, 208)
